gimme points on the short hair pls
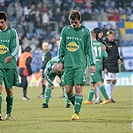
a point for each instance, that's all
(110, 32)
(3, 15)
(74, 14)
(93, 34)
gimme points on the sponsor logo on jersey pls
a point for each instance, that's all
(3, 49)
(72, 46)
(73, 38)
(4, 41)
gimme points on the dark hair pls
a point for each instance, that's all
(74, 14)
(28, 49)
(3, 15)
(97, 31)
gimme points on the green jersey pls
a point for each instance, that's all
(48, 73)
(9, 46)
(100, 56)
(76, 47)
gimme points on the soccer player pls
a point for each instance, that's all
(96, 78)
(9, 46)
(24, 63)
(111, 69)
(99, 35)
(45, 58)
(51, 71)
(75, 48)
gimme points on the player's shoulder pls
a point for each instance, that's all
(85, 29)
(67, 28)
(116, 42)
(11, 31)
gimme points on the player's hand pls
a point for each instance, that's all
(52, 86)
(103, 47)
(60, 67)
(8, 59)
(92, 69)
(105, 71)
(119, 61)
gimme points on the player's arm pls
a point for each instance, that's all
(27, 63)
(48, 78)
(90, 53)
(104, 57)
(62, 49)
(14, 47)
(62, 46)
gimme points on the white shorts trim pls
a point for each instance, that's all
(111, 76)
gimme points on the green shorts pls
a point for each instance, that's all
(73, 76)
(97, 76)
(9, 77)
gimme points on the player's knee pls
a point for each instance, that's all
(108, 81)
(9, 92)
(78, 89)
(114, 82)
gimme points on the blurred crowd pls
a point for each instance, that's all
(33, 18)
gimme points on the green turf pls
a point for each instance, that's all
(29, 117)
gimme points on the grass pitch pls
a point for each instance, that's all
(29, 117)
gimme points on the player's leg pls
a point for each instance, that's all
(9, 105)
(79, 81)
(0, 99)
(97, 92)
(67, 99)
(112, 88)
(24, 83)
(67, 80)
(9, 82)
(78, 98)
(1, 81)
(70, 94)
(104, 93)
(108, 82)
(90, 95)
(43, 88)
(47, 96)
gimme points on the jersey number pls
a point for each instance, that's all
(97, 51)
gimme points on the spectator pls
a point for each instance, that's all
(86, 16)
(114, 16)
(34, 43)
(10, 12)
(19, 12)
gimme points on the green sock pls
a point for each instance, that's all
(67, 100)
(103, 91)
(9, 104)
(0, 102)
(90, 96)
(72, 98)
(47, 95)
(78, 103)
